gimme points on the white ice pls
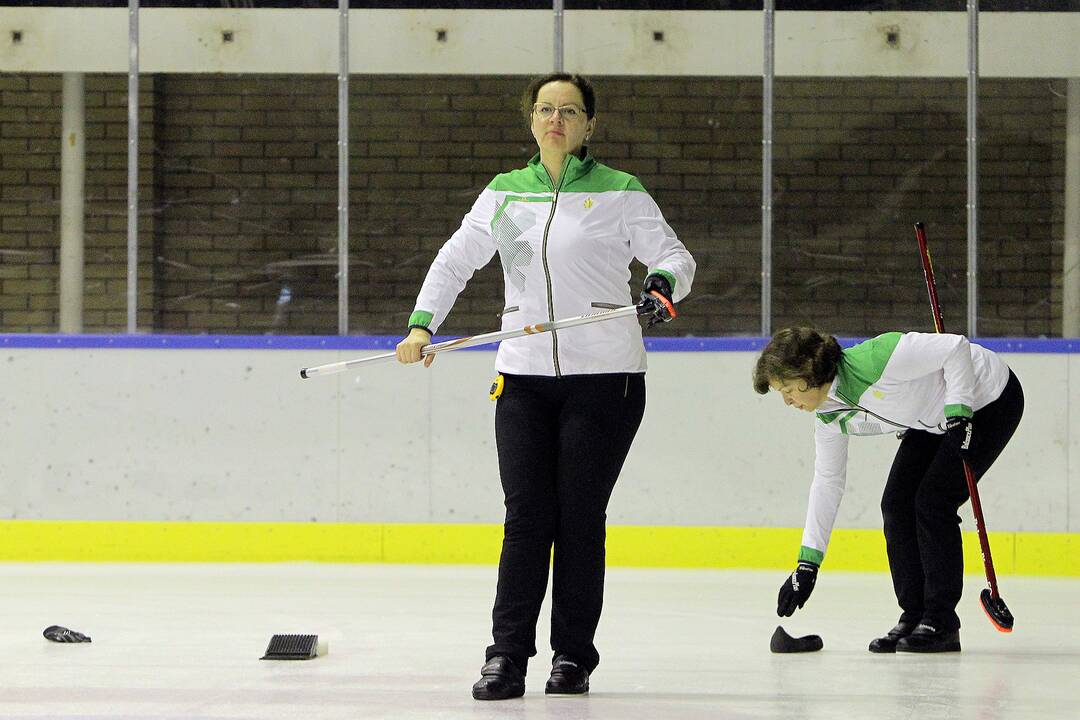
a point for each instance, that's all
(183, 641)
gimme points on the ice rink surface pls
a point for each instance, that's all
(184, 641)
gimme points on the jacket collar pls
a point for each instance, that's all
(574, 167)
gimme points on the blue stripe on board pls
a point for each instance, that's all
(204, 342)
(387, 342)
(704, 344)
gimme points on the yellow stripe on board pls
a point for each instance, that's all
(1019, 553)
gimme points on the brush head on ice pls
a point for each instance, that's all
(783, 643)
(295, 647)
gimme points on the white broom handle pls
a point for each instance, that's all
(474, 340)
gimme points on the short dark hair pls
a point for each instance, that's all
(588, 95)
(798, 353)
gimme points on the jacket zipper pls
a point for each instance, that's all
(857, 406)
(547, 271)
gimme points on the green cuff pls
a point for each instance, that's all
(667, 276)
(422, 318)
(957, 411)
(811, 555)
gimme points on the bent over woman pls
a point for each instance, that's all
(952, 400)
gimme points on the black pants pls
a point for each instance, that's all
(562, 442)
(925, 489)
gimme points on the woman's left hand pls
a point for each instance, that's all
(656, 301)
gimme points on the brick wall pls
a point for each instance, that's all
(240, 221)
(30, 123)
(859, 161)
(248, 198)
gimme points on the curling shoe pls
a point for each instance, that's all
(568, 677)
(500, 679)
(887, 644)
(928, 639)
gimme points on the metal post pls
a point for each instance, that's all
(768, 74)
(133, 166)
(557, 6)
(1070, 280)
(973, 169)
(72, 201)
(343, 167)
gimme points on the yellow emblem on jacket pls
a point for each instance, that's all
(879, 395)
(588, 203)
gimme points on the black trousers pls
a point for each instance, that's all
(562, 443)
(925, 489)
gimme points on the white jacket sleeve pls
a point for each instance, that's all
(920, 354)
(826, 492)
(470, 248)
(655, 244)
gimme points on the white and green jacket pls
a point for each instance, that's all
(890, 383)
(565, 251)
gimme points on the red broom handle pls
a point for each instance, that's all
(973, 490)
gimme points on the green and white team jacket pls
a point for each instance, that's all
(893, 382)
(565, 251)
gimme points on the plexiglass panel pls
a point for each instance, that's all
(246, 204)
(29, 208)
(31, 122)
(858, 161)
(422, 150)
(1021, 206)
(695, 144)
(238, 188)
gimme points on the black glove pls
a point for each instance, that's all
(959, 431)
(655, 308)
(796, 589)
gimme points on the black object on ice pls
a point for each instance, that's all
(292, 647)
(783, 643)
(60, 634)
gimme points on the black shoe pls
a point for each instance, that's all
(568, 677)
(928, 639)
(887, 644)
(500, 679)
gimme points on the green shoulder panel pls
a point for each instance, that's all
(522, 180)
(601, 178)
(862, 365)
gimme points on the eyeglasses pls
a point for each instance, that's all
(569, 113)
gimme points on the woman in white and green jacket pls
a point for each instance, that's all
(566, 229)
(951, 400)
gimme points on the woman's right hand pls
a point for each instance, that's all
(797, 588)
(408, 350)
